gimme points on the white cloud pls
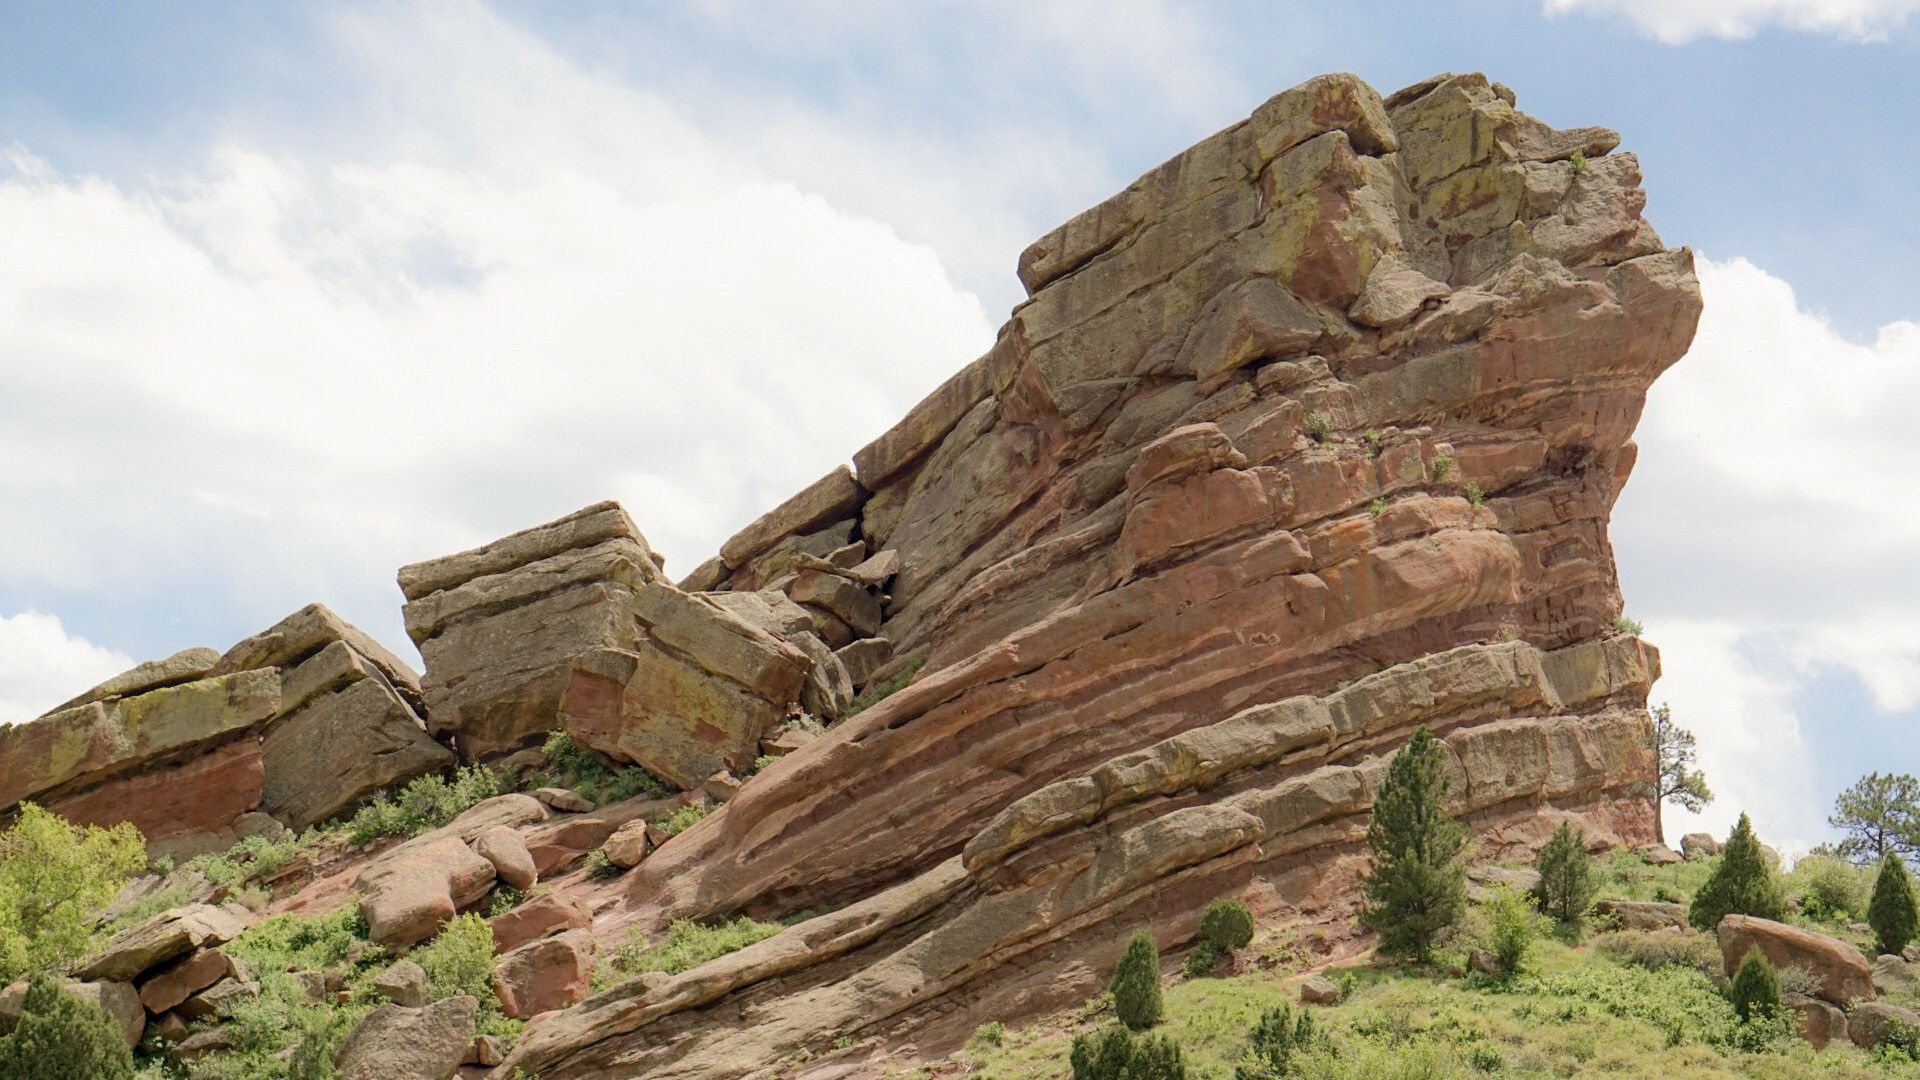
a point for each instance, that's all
(42, 665)
(278, 377)
(1676, 22)
(1769, 542)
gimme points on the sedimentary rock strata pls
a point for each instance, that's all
(291, 726)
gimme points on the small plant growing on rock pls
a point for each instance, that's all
(1624, 625)
(60, 1037)
(1377, 506)
(1743, 884)
(1756, 986)
(601, 867)
(1276, 1038)
(1892, 912)
(680, 820)
(1473, 493)
(991, 1033)
(1442, 469)
(1578, 161)
(425, 803)
(878, 692)
(1319, 425)
(1136, 983)
(580, 770)
(1115, 1053)
(1567, 885)
(1372, 441)
(1416, 885)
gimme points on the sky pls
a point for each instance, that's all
(291, 295)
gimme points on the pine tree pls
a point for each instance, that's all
(1880, 814)
(60, 1037)
(1677, 780)
(1416, 885)
(1743, 883)
(1892, 912)
(1566, 875)
(1136, 983)
(1117, 1054)
(1756, 986)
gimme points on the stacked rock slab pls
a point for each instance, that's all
(571, 626)
(1346, 384)
(289, 728)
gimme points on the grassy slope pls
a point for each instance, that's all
(1579, 1012)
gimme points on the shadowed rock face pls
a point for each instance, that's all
(1308, 437)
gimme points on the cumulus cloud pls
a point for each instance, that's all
(42, 665)
(1676, 22)
(278, 376)
(1768, 542)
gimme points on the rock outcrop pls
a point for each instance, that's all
(1307, 438)
(298, 723)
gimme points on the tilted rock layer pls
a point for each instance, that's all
(1307, 438)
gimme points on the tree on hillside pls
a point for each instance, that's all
(60, 1037)
(1743, 884)
(1566, 887)
(1892, 912)
(54, 877)
(1880, 815)
(1679, 781)
(1416, 885)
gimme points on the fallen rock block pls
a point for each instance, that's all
(550, 973)
(536, 918)
(169, 986)
(1844, 974)
(395, 1042)
(629, 844)
(502, 846)
(408, 896)
(403, 983)
(563, 800)
(218, 998)
(1870, 1022)
(166, 936)
(1699, 845)
(1820, 1022)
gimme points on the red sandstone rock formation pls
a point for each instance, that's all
(1308, 437)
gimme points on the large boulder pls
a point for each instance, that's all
(503, 846)
(1820, 1022)
(1844, 974)
(1699, 845)
(395, 1042)
(407, 899)
(548, 973)
(160, 939)
(167, 987)
(537, 917)
(1870, 1022)
(117, 999)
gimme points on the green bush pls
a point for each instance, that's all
(689, 944)
(459, 959)
(1276, 1039)
(1743, 884)
(881, 691)
(1200, 961)
(587, 774)
(1416, 885)
(1115, 1053)
(1567, 884)
(1892, 912)
(424, 804)
(680, 820)
(1319, 425)
(1136, 983)
(601, 867)
(1830, 888)
(1657, 949)
(1227, 923)
(1512, 930)
(60, 1037)
(1756, 986)
(54, 878)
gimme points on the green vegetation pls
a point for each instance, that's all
(1829, 889)
(1678, 780)
(1624, 625)
(424, 804)
(1227, 923)
(1567, 886)
(1442, 469)
(1578, 161)
(1512, 930)
(587, 774)
(60, 1037)
(1118, 1054)
(1416, 885)
(54, 877)
(881, 691)
(1892, 912)
(1880, 815)
(1377, 506)
(679, 821)
(1136, 983)
(1472, 491)
(459, 960)
(1742, 884)
(1319, 425)
(689, 944)
(601, 867)
(1371, 439)
(1756, 986)
(1274, 1043)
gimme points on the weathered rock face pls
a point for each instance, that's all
(300, 722)
(1307, 438)
(572, 626)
